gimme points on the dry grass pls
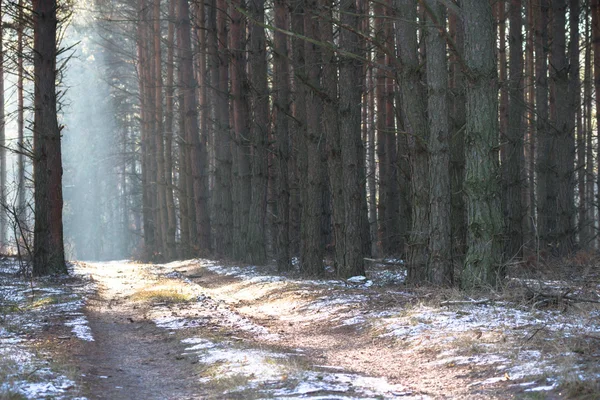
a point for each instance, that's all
(170, 292)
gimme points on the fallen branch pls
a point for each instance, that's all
(461, 302)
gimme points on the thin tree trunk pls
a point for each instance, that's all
(543, 140)
(169, 132)
(161, 189)
(20, 116)
(281, 99)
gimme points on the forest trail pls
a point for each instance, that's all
(183, 331)
(130, 358)
(202, 329)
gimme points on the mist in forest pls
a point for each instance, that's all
(94, 229)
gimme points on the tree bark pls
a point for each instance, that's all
(512, 164)
(281, 100)
(257, 253)
(311, 240)
(439, 268)
(484, 216)
(414, 106)
(48, 254)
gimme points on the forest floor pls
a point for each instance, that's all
(200, 329)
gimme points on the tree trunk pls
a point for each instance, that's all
(415, 125)
(242, 170)
(333, 131)
(545, 199)
(457, 141)
(48, 254)
(311, 240)
(439, 269)
(563, 119)
(484, 216)
(352, 148)
(217, 31)
(281, 100)
(513, 140)
(260, 133)
(169, 131)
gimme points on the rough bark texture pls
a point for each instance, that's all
(352, 148)
(414, 106)
(48, 254)
(281, 96)
(484, 216)
(219, 80)
(439, 268)
(332, 130)
(312, 246)
(563, 123)
(457, 112)
(512, 164)
(242, 172)
(257, 253)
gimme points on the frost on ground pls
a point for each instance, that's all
(28, 308)
(509, 343)
(271, 374)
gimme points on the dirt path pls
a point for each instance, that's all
(200, 330)
(130, 358)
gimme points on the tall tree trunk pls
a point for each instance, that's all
(352, 148)
(161, 189)
(298, 157)
(242, 170)
(332, 130)
(513, 139)
(192, 137)
(589, 150)
(20, 116)
(281, 100)
(484, 216)
(545, 199)
(457, 141)
(48, 254)
(312, 243)
(384, 222)
(529, 152)
(439, 268)
(169, 132)
(574, 124)
(415, 105)
(502, 74)
(563, 119)
(218, 54)
(257, 253)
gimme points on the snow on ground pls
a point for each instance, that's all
(274, 374)
(503, 336)
(27, 307)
